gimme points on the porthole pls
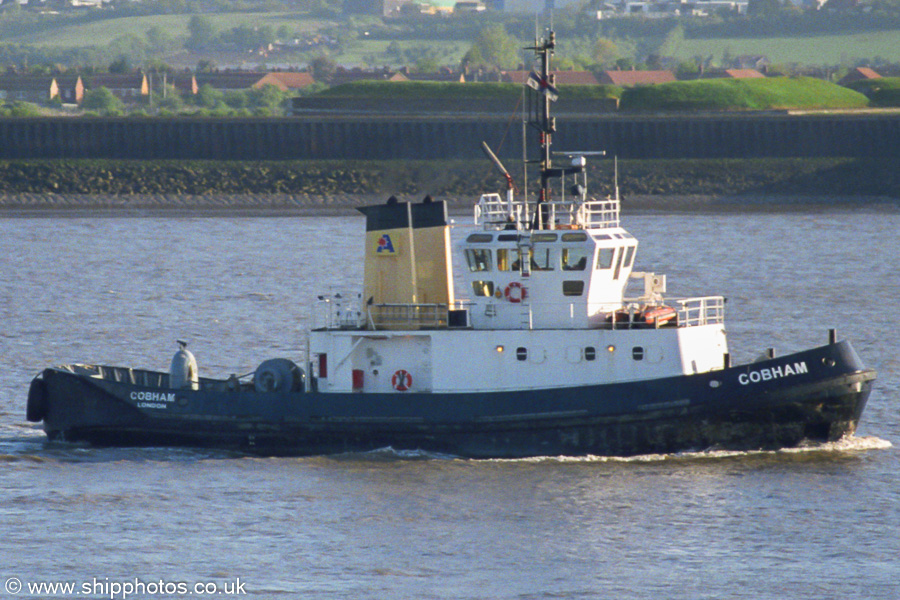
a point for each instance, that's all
(590, 353)
(521, 353)
(637, 353)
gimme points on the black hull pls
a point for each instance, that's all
(817, 395)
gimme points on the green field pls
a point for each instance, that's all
(102, 32)
(809, 50)
(365, 52)
(374, 52)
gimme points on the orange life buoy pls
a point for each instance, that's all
(401, 380)
(515, 293)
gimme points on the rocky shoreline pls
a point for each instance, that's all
(322, 185)
(50, 205)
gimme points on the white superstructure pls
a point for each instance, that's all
(540, 308)
(532, 297)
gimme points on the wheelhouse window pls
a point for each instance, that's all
(573, 288)
(478, 259)
(480, 238)
(605, 258)
(629, 256)
(574, 259)
(542, 259)
(483, 288)
(507, 259)
(618, 270)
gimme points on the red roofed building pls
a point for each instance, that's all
(28, 88)
(629, 78)
(859, 74)
(356, 74)
(128, 87)
(742, 74)
(285, 80)
(229, 80)
(562, 77)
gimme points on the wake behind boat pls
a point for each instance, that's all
(539, 351)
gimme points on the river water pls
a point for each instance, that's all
(817, 523)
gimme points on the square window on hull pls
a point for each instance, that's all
(478, 259)
(483, 288)
(573, 288)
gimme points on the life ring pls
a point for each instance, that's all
(401, 380)
(515, 293)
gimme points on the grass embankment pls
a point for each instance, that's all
(434, 90)
(743, 94)
(883, 92)
(461, 179)
(704, 94)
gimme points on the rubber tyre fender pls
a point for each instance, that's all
(278, 375)
(36, 409)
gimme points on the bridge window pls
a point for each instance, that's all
(618, 270)
(573, 288)
(478, 259)
(542, 259)
(507, 259)
(480, 238)
(605, 258)
(574, 237)
(483, 288)
(629, 256)
(574, 259)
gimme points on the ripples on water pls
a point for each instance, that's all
(815, 522)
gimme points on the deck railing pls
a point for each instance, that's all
(348, 313)
(706, 310)
(494, 212)
(408, 316)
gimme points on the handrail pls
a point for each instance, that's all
(691, 312)
(494, 212)
(705, 310)
(408, 316)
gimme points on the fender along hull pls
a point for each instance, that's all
(817, 395)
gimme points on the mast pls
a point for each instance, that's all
(544, 92)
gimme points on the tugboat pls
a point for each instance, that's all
(537, 352)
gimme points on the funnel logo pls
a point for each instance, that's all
(385, 245)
